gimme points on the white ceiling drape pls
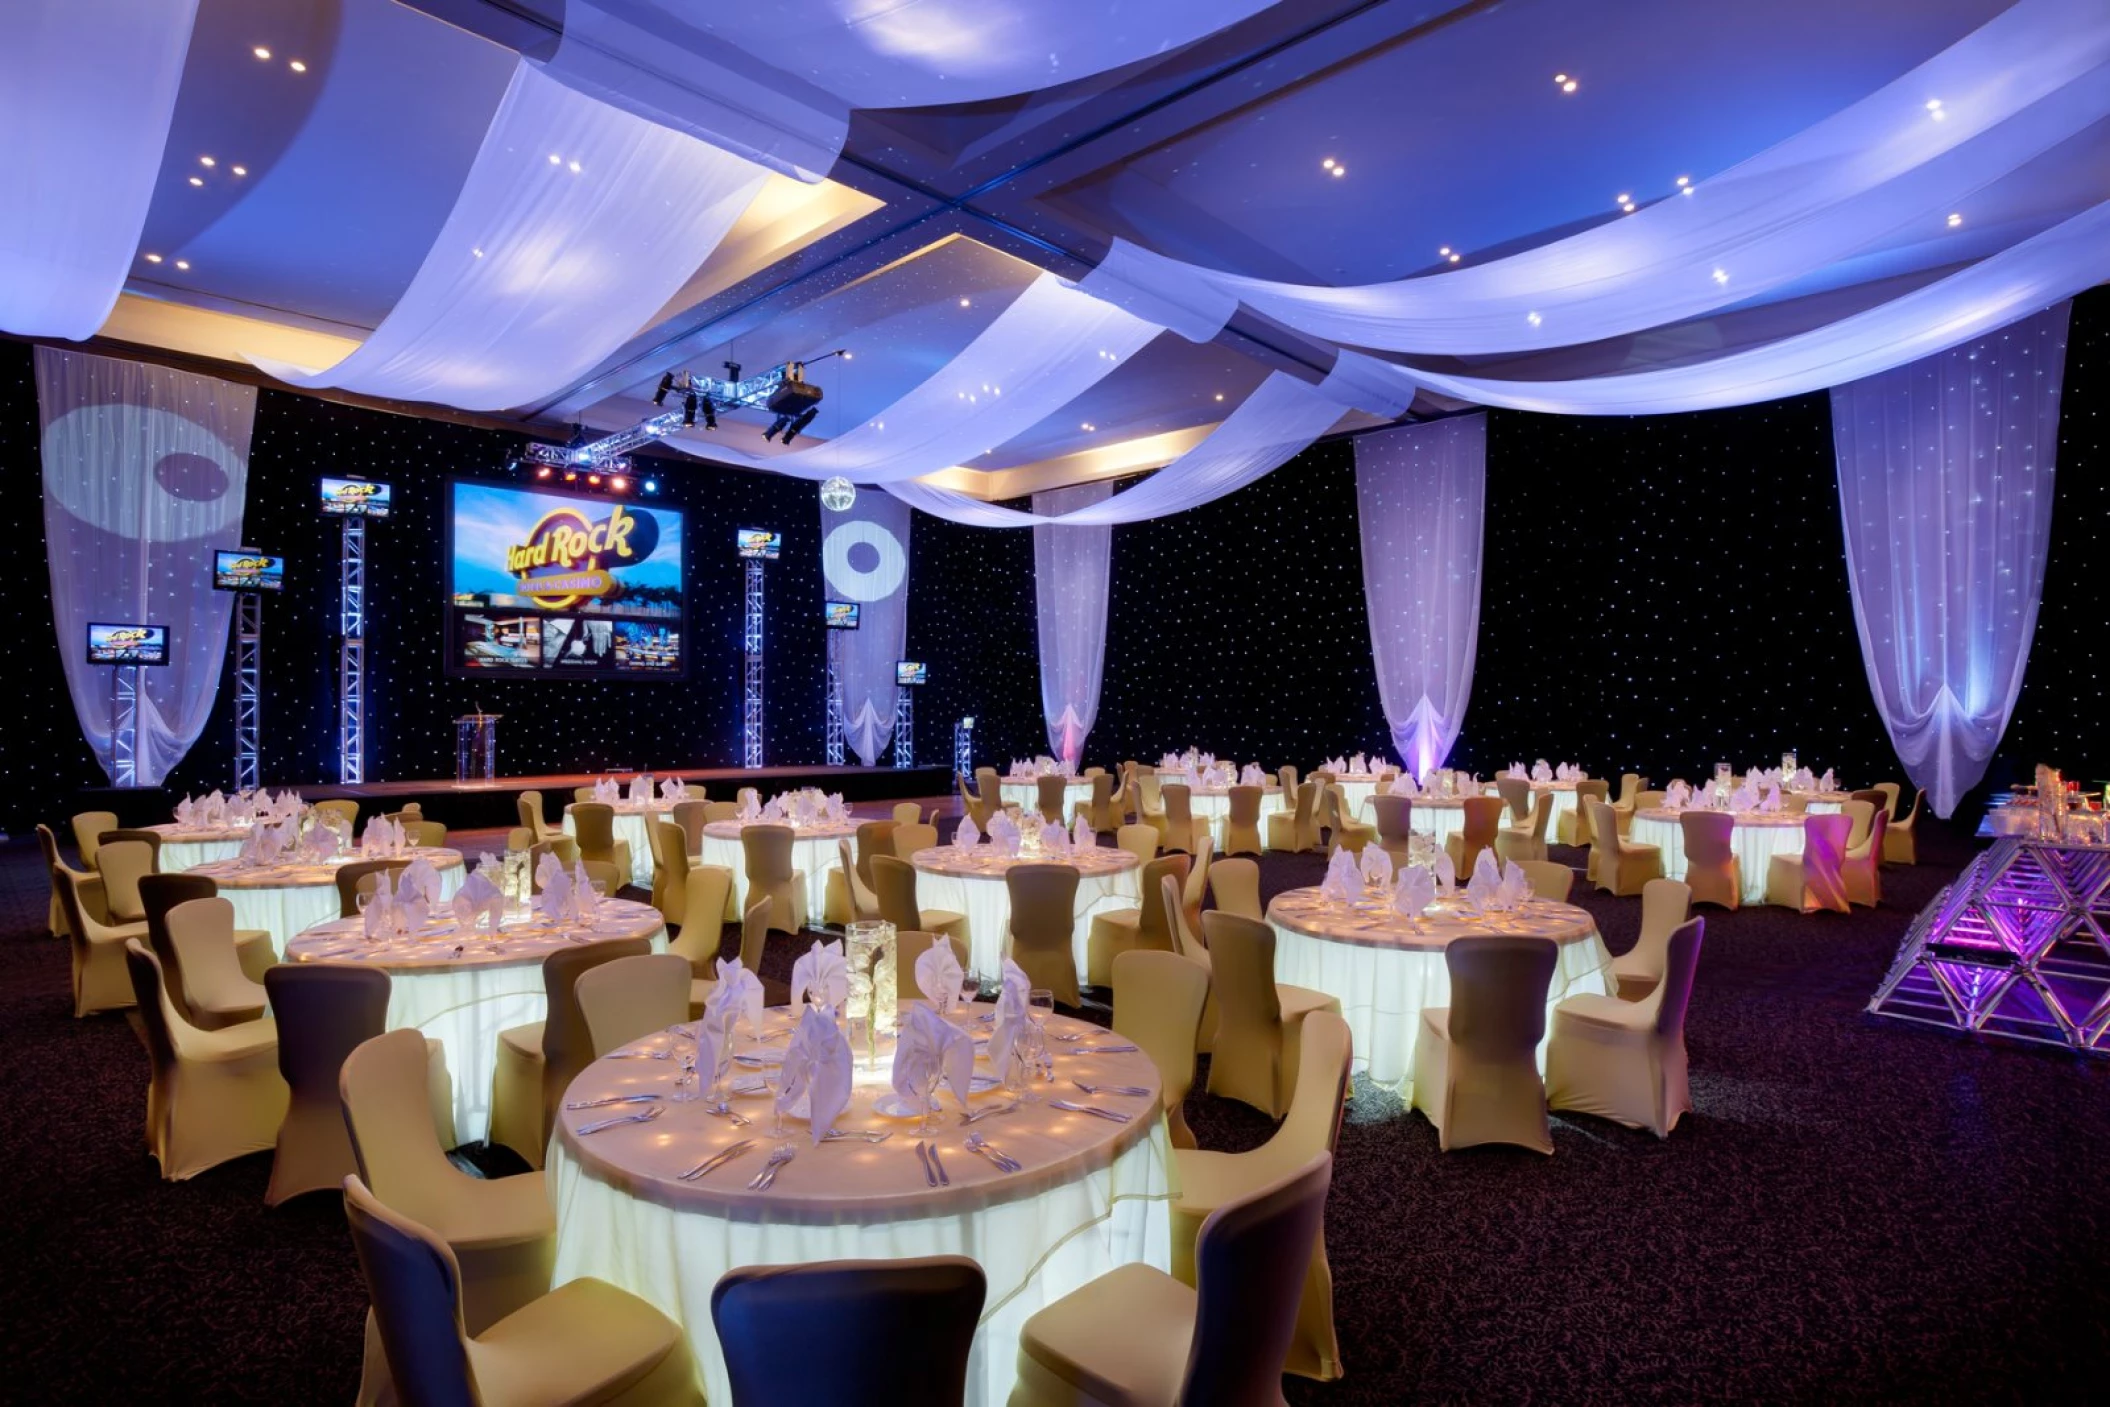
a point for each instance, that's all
(87, 88)
(865, 558)
(1072, 571)
(1898, 160)
(578, 222)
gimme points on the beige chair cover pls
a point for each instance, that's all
(211, 1095)
(632, 997)
(917, 1317)
(327, 1010)
(981, 807)
(1242, 825)
(1617, 863)
(1118, 930)
(211, 990)
(1527, 840)
(1138, 840)
(121, 863)
(88, 828)
(1257, 1018)
(716, 811)
(1861, 807)
(1574, 828)
(344, 810)
(528, 806)
(894, 885)
(1043, 905)
(1860, 869)
(1052, 795)
(1713, 872)
(101, 981)
(158, 893)
(1665, 904)
(771, 875)
(1395, 818)
(48, 844)
(593, 830)
(1483, 824)
(1197, 887)
(1101, 813)
(1900, 841)
(1298, 828)
(670, 871)
(911, 836)
(691, 816)
(1549, 879)
(1343, 831)
(585, 1342)
(909, 813)
(1516, 795)
(1893, 793)
(1626, 1060)
(1812, 880)
(536, 1061)
(1158, 1004)
(1235, 886)
(1179, 816)
(1476, 1069)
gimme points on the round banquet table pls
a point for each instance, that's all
(1093, 1195)
(284, 900)
(813, 850)
(1758, 837)
(971, 882)
(1438, 817)
(1356, 789)
(1823, 803)
(1563, 803)
(631, 820)
(1213, 805)
(187, 847)
(1385, 968)
(462, 990)
(1024, 792)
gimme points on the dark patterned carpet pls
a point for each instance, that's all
(1858, 1210)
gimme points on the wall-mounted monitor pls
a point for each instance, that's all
(840, 615)
(911, 672)
(128, 644)
(354, 498)
(246, 569)
(760, 543)
(549, 585)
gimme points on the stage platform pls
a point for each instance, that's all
(479, 805)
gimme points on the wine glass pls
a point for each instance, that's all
(930, 1124)
(970, 991)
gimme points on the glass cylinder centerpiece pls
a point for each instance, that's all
(1787, 767)
(872, 1008)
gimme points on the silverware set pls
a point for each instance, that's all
(865, 1135)
(1004, 1161)
(640, 1055)
(612, 1099)
(778, 1156)
(718, 1160)
(933, 1170)
(1136, 1090)
(1103, 1050)
(979, 1114)
(1092, 1109)
(642, 1118)
(726, 1111)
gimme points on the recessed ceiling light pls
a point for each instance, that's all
(1454, 258)
(555, 160)
(1533, 318)
(183, 263)
(1955, 220)
(1219, 395)
(1622, 200)
(153, 258)
(261, 52)
(847, 356)
(1934, 109)
(207, 161)
(239, 170)
(477, 252)
(1327, 163)
(197, 180)
(1089, 426)
(1569, 86)
(1684, 180)
(1340, 170)
(574, 167)
(1688, 190)
(1721, 276)
(969, 303)
(1445, 251)
(1560, 78)
(1628, 207)
(297, 66)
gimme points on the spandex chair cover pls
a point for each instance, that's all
(1258, 1020)
(329, 1010)
(1476, 1069)
(917, 1317)
(1665, 904)
(1626, 1060)
(1158, 1002)
(211, 1095)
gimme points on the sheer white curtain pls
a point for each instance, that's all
(865, 558)
(1070, 580)
(145, 473)
(776, 82)
(578, 222)
(1945, 490)
(87, 88)
(1420, 492)
(2064, 260)
(2027, 80)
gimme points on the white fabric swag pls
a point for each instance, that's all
(1070, 581)
(1945, 491)
(1420, 492)
(2024, 82)
(2064, 260)
(865, 558)
(87, 88)
(713, 72)
(145, 474)
(576, 225)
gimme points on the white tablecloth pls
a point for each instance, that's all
(1387, 970)
(287, 899)
(812, 850)
(973, 884)
(463, 1003)
(631, 819)
(1037, 1236)
(187, 847)
(1758, 837)
(1213, 805)
(1026, 795)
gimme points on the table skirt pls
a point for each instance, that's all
(1033, 1250)
(631, 829)
(176, 857)
(1755, 848)
(987, 904)
(818, 858)
(288, 911)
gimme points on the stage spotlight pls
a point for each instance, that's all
(710, 414)
(651, 486)
(543, 472)
(776, 427)
(571, 476)
(594, 480)
(666, 384)
(620, 485)
(805, 419)
(688, 405)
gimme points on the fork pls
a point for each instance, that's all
(718, 1159)
(1088, 1109)
(867, 1135)
(724, 1110)
(612, 1099)
(778, 1156)
(930, 1177)
(1110, 1089)
(1103, 1050)
(979, 1114)
(1004, 1161)
(944, 1178)
(642, 1118)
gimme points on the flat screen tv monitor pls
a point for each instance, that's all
(128, 644)
(354, 498)
(911, 672)
(841, 615)
(246, 569)
(544, 584)
(760, 542)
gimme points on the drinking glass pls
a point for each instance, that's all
(930, 1124)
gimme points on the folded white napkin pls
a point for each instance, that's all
(1404, 785)
(477, 900)
(938, 976)
(1515, 889)
(1343, 883)
(1003, 833)
(1376, 866)
(1250, 775)
(1170, 759)
(1805, 779)
(554, 904)
(607, 791)
(1014, 1012)
(185, 809)
(411, 914)
(1082, 836)
(968, 835)
(817, 1067)
(1827, 782)
(821, 975)
(932, 1048)
(1744, 798)
(1480, 890)
(1446, 871)
(1771, 801)
(737, 995)
(377, 918)
(1415, 891)
(1053, 838)
(1541, 771)
(418, 880)
(1675, 797)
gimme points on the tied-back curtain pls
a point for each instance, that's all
(1945, 490)
(1070, 567)
(145, 470)
(1420, 492)
(864, 558)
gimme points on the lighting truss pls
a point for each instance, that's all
(124, 725)
(904, 727)
(351, 655)
(751, 692)
(248, 670)
(733, 392)
(834, 706)
(963, 750)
